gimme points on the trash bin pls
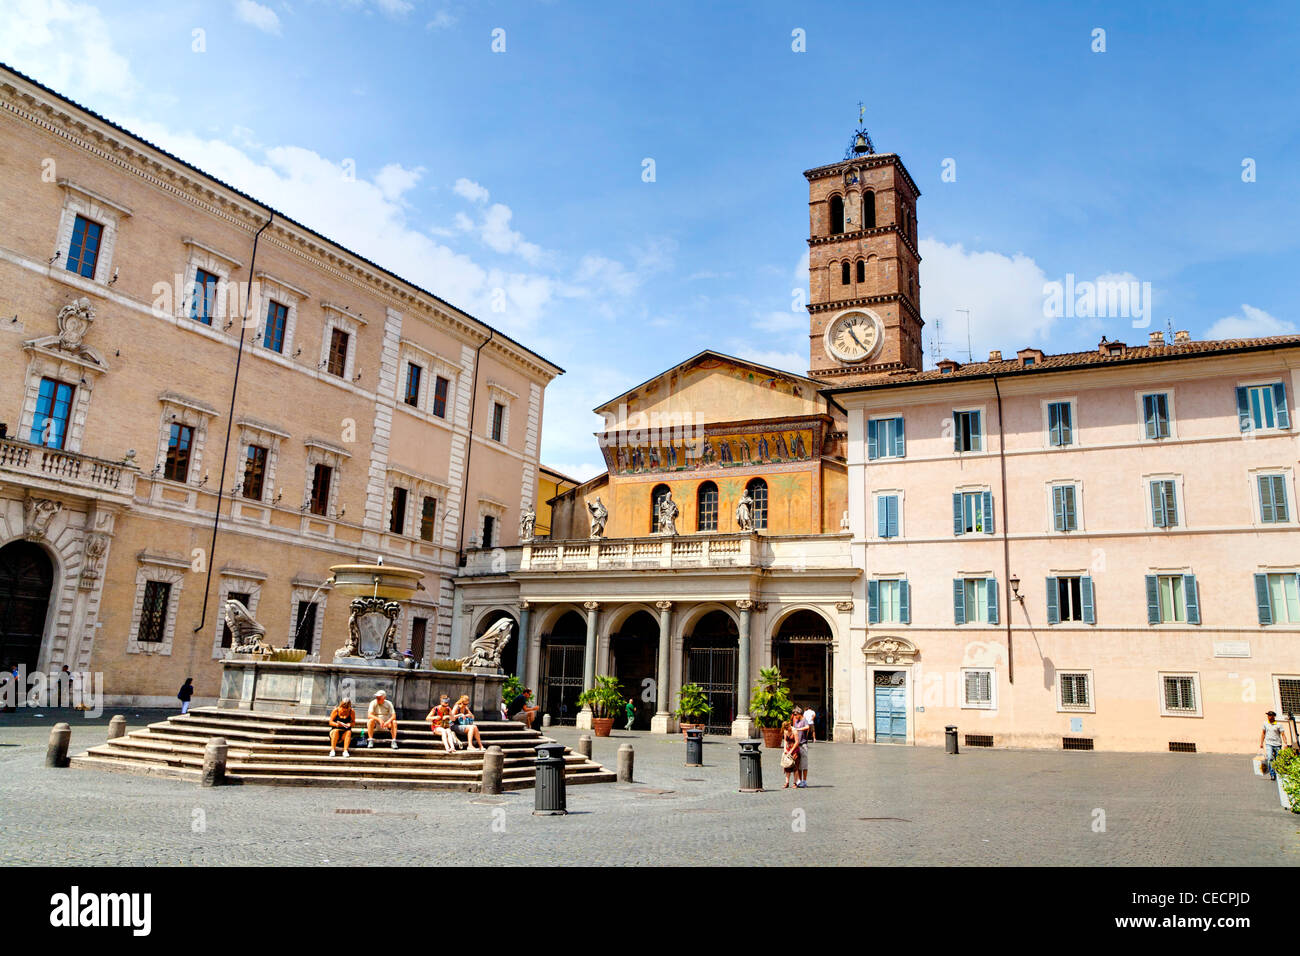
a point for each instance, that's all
(751, 766)
(548, 790)
(950, 739)
(695, 747)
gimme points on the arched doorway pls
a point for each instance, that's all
(634, 651)
(804, 649)
(509, 653)
(26, 579)
(563, 649)
(711, 652)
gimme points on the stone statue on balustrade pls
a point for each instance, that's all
(246, 635)
(599, 515)
(745, 513)
(668, 514)
(527, 522)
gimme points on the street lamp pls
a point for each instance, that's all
(1015, 588)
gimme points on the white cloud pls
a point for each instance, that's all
(796, 362)
(496, 234)
(1003, 293)
(470, 190)
(68, 47)
(256, 15)
(395, 8)
(394, 180)
(442, 20)
(1251, 323)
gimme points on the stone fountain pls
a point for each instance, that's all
(258, 677)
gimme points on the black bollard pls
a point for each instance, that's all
(548, 786)
(751, 766)
(950, 739)
(695, 747)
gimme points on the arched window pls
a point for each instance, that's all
(757, 489)
(862, 271)
(837, 215)
(868, 210)
(706, 507)
(844, 272)
(659, 493)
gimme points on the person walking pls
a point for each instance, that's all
(803, 732)
(185, 693)
(1272, 738)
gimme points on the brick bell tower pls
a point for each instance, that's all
(863, 267)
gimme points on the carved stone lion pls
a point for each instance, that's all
(486, 650)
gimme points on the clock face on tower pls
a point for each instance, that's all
(853, 336)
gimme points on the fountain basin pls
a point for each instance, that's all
(376, 580)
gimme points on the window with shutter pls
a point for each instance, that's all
(1164, 504)
(1064, 511)
(1262, 407)
(887, 516)
(1155, 414)
(1273, 508)
(1060, 425)
(967, 435)
(1278, 597)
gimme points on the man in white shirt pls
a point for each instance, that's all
(1272, 739)
(381, 715)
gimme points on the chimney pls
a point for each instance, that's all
(1182, 337)
(1156, 338)
(995, 355)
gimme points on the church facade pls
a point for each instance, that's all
(1091, 550)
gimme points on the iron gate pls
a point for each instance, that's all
(562, 681)
(714, 669)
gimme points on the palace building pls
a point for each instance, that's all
(1091, 550)
(202, 399)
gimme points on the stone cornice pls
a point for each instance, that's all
(869, 161)
(867, 234)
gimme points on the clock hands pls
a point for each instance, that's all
(853, 335)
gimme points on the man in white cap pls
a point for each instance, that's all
(381, 715)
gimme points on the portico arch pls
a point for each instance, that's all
(710, 655)
(803, 647)
(562, 639)
(28, 602)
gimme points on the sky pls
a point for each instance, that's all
(619, 185)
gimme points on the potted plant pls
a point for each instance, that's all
(692, 707)
(1287, 767)
(605, 700)
(770, 704)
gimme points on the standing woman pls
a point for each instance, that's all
(185, 693)
(465, 720)
(789, 754)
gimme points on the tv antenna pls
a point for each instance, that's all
(969, 354)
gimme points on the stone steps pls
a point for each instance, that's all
(292, 750)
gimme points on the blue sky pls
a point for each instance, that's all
(516, 177)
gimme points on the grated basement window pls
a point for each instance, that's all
(1076, 743)
(979, 740)
(1181, 747)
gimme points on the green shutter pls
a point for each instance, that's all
(891, 515)
(1153, 599)
(1192, 599)
(873, 602)
(882, 516)
(904, 602)
(900, 442)
(1261, 599)
(1243, 408)
(1058, 510)
(1279, 405)
(873, 440)
(958, 601)
(991, 589)
(1071, 521)
(1085, 592)
(1053, 602)
(1266, 510)
(957, 523)
(988, 512)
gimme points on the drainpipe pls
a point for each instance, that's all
(1006, 543)
(230, 421)
(469, 450)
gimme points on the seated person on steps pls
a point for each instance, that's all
(440, 723)
(381, 715)
(523, 708)
(465, 721)
(342, 718)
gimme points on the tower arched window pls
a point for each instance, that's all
(844, 272)
(757, 489)
(659, 493)
(706, 507)
(868, 209)
(837, 215)
(862, 270)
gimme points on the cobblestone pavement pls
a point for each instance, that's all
(866, 805)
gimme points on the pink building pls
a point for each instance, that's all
(1093, 550)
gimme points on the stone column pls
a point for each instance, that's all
(521, 640)
(743, 725)
(589, 661)
(662, 722)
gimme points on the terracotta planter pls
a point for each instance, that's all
(772, 737)
(601, 726)
(686, 727)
